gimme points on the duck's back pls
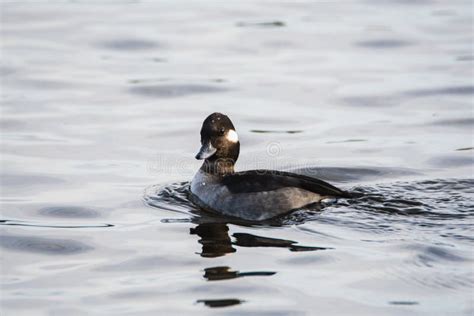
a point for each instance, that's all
(258, 194)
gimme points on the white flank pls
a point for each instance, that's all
(232, 136)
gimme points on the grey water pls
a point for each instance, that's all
(101, 106)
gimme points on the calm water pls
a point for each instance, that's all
(101, 109)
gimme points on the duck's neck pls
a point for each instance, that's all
(220, 167)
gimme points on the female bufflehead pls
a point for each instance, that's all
(252, 195)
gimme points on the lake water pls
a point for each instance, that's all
(102, 103)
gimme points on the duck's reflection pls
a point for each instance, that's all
(225, 273)
(249, 240)
(215, 239)
(216, 242)
(221, 302)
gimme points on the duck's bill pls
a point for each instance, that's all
(206, 151)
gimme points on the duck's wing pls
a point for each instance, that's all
(270, 180)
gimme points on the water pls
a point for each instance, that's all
(101, 108)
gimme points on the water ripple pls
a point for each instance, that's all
(384, 43)
(8, 222)
(130, 44)
(47, 246)
(69, 212)
(175, 90)
(442, 205)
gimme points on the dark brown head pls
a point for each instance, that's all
(219, 140)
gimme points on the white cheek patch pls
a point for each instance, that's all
(232, 136)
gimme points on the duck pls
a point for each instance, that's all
(253, 195)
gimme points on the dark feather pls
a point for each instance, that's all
(270, 180)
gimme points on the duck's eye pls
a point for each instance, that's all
(222, 131)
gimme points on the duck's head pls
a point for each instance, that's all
(219, 140)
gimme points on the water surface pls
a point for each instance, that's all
(101, 108)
